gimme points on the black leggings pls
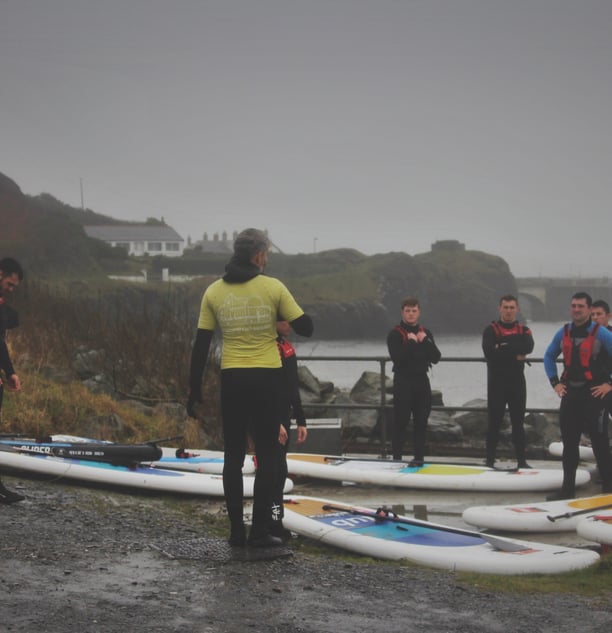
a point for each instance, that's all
(503, 391)
(581, 412)
(278, 510)
(250, 405)
(411, 397)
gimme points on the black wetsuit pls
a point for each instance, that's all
(501, 344)
(411, 387)
(250, 404)
(8, 320)
(290, 407)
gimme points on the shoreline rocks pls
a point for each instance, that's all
(362, 421)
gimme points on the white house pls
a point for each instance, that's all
(140, 239)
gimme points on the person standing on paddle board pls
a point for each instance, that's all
(291, 407)
(11, 274)
(412, 350)
(587, 350)
(505, 344)
(245, 305)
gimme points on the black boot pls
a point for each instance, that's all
(266, 540)
(561, 495)
(7, 496)
(280, 531)
(237, 536)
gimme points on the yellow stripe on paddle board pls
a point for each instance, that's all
(428, 469)
(312, 458)
(306, 507)
(591, 502)
(448, 469)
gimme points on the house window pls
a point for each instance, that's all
(172, 246)
(154, 246)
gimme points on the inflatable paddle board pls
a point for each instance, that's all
(597, 528)
(197, 460)
(585, 452)
(139, 476)
(545, 516)
(445, 476)
(125, 454)
(191, 459)
(395, 537)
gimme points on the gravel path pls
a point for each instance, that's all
(82, 560)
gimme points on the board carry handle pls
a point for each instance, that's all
(384, 515)
(575, 513)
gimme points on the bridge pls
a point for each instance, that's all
(548, 298)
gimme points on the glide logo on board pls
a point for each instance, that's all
(347, 522)
(36, 449)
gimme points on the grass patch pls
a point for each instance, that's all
(45, 407)
(592, 582)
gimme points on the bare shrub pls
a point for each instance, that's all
(137, 340)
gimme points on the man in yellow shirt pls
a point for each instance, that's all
(245, 305)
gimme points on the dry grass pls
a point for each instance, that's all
(140, 342)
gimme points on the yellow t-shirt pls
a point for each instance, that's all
(246, 313)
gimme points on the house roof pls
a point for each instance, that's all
(132, 232)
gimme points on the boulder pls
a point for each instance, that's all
(367, 389)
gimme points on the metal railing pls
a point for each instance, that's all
(384, 405)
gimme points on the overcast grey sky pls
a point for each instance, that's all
(380, 125)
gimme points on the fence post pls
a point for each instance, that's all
(383, 408)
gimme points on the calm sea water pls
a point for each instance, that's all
(458, 382)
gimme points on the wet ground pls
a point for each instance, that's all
(76, 559)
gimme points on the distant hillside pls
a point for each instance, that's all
(351, 295)
(47, 236)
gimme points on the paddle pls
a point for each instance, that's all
(427, 462)
(569, 515)
(497, 542)
(165, 439)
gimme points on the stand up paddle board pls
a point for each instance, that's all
(445, 476)
(388, 536)
(597, 528)
(197, 460)
(545, 516)
(125, 454)
(191, 459)
(138, 476)
(585, 452)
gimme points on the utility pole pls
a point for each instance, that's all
(82, 199)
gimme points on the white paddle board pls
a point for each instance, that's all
(545, 516)
(597, 528)
(191, 459)
(444, 476)
(145, 477)
(199, 461)
(585, 452)
(368, 532)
